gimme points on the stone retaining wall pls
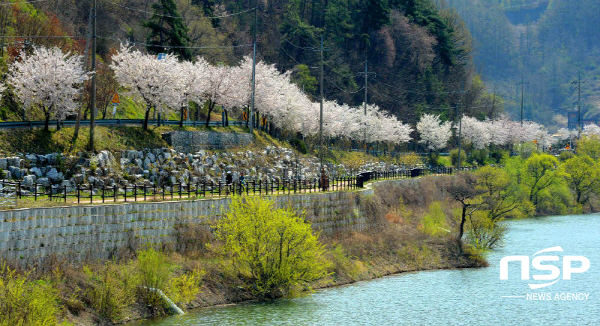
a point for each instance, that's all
(193, 141)
(81, 233)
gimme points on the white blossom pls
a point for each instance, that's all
(48, 79)
(434, 133)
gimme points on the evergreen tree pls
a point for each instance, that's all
(208, 7)
(167, 29)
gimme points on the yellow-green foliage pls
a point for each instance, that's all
(274, 249)
(410, 159)
(415, 257)
(185, 288)
(590, 146)
(155, 272)
(484, 233)
(434, 222)
(113, 289)
(341, 264)
(26, 303)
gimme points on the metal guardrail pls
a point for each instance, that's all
(115, 122)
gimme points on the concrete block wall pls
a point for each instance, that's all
(193, 141)
(80, 233)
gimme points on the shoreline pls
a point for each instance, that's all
(194, 309)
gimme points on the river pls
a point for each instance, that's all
(447, 297)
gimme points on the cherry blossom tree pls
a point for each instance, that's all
(189, 86)
(228, 86)
(50, 80)
(155, 81)
(591, 129)
(475, 132)
(434, 134)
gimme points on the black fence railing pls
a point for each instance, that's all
(88, 193)
(115, 122)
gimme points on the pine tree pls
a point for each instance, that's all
(208, 7)
(168, 33)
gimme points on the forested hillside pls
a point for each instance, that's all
(544, 43)
(418, 56)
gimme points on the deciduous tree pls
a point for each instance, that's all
(50, 80)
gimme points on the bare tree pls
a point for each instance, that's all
(463, 189)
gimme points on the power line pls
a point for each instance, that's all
(299, 47)
(343, 90)
(180, 17)
(41, 36)
(175, 47)
(21, 2)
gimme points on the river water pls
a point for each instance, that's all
(447, 297)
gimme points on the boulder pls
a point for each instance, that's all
(52, 174)
(3, 163)
(28, 180)
(15, 172)
(37, 171)
(43, 182)
(14, 161)
(32, 158)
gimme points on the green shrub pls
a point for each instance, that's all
(483, 233)
(26, 303)
(299, 145)
(185, 288)
(155, 272)
(479, 156)
(434, 222)
(341, 264)
(418, 258)
(113, 289)
(565, 155)
(454, 157)
(498, 155)
(274, 249)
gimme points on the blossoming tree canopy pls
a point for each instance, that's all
(48, 79)
(155, 81)
(434, 134)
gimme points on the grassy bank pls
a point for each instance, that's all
(199, 271)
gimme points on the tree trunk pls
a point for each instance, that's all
(47, 122)
(146, 118)
(181, 118)
(211, 106)
(248, 116)
(462, 227)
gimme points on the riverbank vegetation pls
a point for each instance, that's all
(255, 252)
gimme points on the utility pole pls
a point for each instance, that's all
(251, 113)
(86, 54)
(321, 110)
(366, 94)
(459, 114)
(579, 105)
(522, 95)
(93, 99)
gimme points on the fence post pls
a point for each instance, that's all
(103, 187)
(91, 193)
(115, 192)
(163, 191)
(125, 193)
(145, 194)
(65, 193)
(135, 192)
(35, 190)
